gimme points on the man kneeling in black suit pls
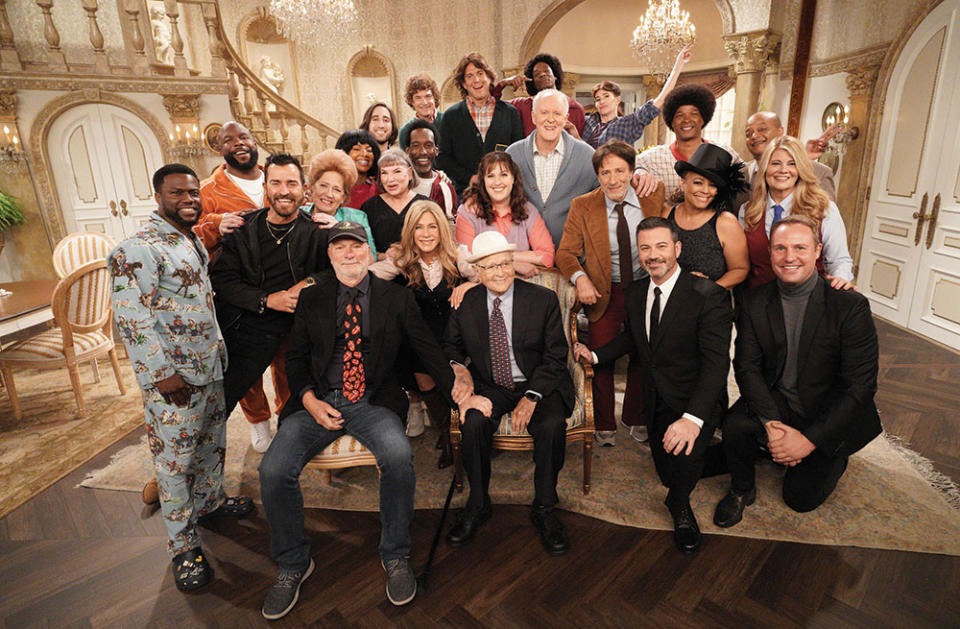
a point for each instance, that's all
(806, 363)
(513, 335)
(679, 325)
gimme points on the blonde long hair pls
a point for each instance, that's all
(809, 199)
(409, 259)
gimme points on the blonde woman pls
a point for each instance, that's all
(786, 185)
(427, 258)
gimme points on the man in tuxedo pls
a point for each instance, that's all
(347, 330)
(680, 326)
(806, 363)
(512, 333)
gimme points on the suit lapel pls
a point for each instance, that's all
(811, 320)
(482, 329)
(642, 287)
(327, 322)
(777, 329)
(519, 318)
(378, 313)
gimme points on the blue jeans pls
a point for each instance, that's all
(299, 438)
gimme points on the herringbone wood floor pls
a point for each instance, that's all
(85, 558)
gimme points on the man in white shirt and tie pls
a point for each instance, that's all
(679, 324)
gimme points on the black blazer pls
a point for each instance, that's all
(394, 318)
(462, 148)
(539, 344)
(837, 374)
(687, 362)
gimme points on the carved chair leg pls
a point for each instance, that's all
(116, 371)
(587, 462)
(458, 464)
(74, 371)
(12, 391)
(95, 368)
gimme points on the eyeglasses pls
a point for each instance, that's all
(502, 266)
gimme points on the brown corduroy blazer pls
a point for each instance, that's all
(586, 237)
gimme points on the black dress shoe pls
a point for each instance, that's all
(686, 533)
(552, 534)
(730, 510)
(468, 523)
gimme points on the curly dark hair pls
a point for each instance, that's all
(394, 129)
(461, 70)
(418, 83)
(695, 94)
(418, 123)
(551, 61)
(480, 199)
(351, 138)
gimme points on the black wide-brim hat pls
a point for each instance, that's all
(711, 161)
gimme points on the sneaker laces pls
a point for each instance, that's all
(288, 579)
(397, 566)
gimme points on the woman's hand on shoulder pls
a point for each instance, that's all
(456, 297)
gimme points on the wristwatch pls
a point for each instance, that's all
(263, 304)
(532, 396)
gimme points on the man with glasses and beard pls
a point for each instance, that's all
(258, 278)
(158, 277)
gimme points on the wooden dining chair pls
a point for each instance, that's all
(81, 309)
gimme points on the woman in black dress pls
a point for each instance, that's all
(427, 258)
(387, 210)
(713, 244)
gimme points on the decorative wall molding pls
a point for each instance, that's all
(753, 51)
(67, 82)
(872, 56)
(861, 80)
(8, 104)
(181, 106)
(42, 172)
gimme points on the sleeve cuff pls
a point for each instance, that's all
(539, 396)
(576, 276)
(696, 420)
(593, 357)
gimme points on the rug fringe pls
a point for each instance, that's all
(939, 481)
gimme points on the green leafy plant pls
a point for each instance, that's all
(10, 213)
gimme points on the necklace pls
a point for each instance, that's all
(283, 233)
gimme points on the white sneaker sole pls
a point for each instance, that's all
(296, 595)
(404, 602)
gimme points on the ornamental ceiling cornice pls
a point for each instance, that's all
(872, 56)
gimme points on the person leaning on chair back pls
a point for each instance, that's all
(512, 332)
(806, 363)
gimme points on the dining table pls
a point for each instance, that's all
(27, 305)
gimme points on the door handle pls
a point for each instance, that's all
(113, 208)
(920, 216)
(123, 207)
(934, 214)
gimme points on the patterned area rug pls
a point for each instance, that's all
(50, 441)
(886, 499)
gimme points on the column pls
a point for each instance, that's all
(656, 132)
(750, 53)
(851, 193)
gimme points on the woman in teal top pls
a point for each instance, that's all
(332, 173)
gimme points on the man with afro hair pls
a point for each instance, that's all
(542, 72)
(687, 110)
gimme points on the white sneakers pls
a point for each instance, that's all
(416, 418)
(260, 436)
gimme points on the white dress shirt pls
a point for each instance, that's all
(547, 167)
(634, 214)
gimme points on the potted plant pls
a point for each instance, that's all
(10, 215)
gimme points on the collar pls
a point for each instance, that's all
(559, 148)
(631, 200)
(786, 204)
(490, 102)
(507, 296)
(362, 288)
(666, 288)
(676, 152)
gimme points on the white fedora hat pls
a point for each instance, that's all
(487, 244)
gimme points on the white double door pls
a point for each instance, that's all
(103, 159)
(910, 263)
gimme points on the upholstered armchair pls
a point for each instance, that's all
(580, 423)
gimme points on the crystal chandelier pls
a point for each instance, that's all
(313, 22)
(664, 29)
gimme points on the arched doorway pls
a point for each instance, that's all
(910, 263)
(102, 158)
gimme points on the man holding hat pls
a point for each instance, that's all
(347, 330)
(512, 333)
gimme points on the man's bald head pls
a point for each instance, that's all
(762, 127)
(238, 147)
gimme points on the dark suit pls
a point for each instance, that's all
(685, 370)
(540, 350)
(836, 382)
(462, 148)
(374, 420)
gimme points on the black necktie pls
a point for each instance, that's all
(655, 313)
(623, 245)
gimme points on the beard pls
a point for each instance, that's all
(172, 214)
(284, 212)
(247, 167)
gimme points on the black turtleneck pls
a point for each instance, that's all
(793, 299)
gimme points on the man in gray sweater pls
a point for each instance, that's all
(556, 167)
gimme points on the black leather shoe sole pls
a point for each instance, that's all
(729, 511)
(555, 542)
(466, 527)
(688, 541)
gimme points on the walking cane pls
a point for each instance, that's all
(422, 579)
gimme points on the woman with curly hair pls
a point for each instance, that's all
(712, 242)
(427, 258)
(363, 149)
(609, 123)
(497, 202)
(788, 186)
(330, 175)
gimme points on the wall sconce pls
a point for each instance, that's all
(12, 155)
(839, 115)
(186, 141)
